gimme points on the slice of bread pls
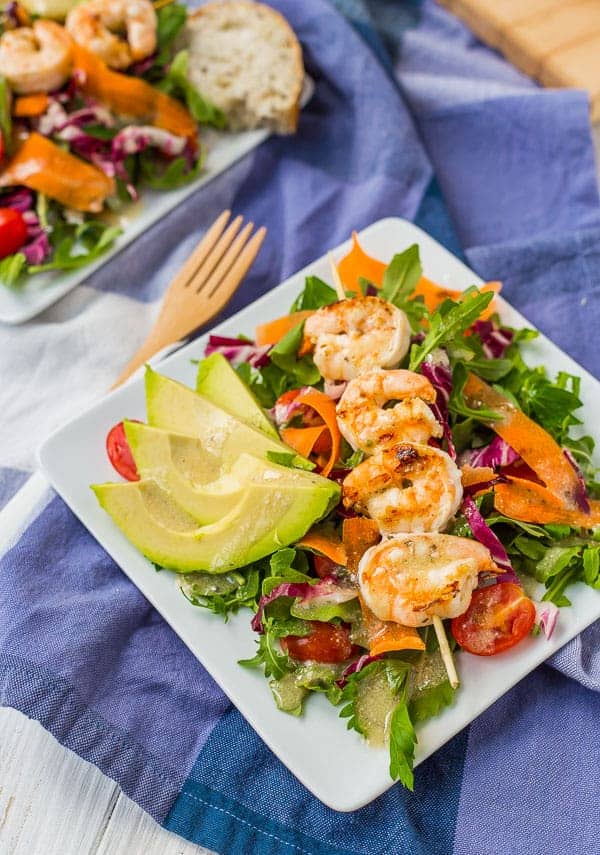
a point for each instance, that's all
(246, 59)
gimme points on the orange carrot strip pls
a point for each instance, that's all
(322, 541)
(528, 501)
(273, 331)
(131, 96)
(43, 166)
(529, 440)
(434, 294)
(30, 105)
(324, 407)
(356, 264)
(358, 535)
(385, 636)
(303, 440)
(475, 474)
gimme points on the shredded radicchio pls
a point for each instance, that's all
(494, 339)
(356, 666)
(581, 496)
(497, 453)
(328, 590)
(483, 533)
(436, 368)
(283, 412)
(546, 615)
(238, 350)
(20, 200)
(37, 247)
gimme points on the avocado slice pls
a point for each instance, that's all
(182, 467)
(172, 406)
(218, 381)
(272, 512)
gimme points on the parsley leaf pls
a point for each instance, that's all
(402, 746)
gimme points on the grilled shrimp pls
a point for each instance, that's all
(407, 488)
(36, 58)
(410, 578)
(357, 335)
(364, 422)
(97, 25)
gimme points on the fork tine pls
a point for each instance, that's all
(203, 249)
(225, 263)
(203, 274)
(238, 270)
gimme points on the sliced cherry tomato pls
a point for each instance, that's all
(498, 618)
(326, 643)
(120, 454)
(13, 231)
(324, 566)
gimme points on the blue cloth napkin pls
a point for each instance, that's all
(404, 94)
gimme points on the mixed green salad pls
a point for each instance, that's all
(243, 486)
(79, 139)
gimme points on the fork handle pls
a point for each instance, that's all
(149, 348)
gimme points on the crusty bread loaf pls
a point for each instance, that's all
(246, 59)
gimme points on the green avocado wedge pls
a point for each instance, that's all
(181, 466)
(174, 407)
(218, 382)
(268, 515)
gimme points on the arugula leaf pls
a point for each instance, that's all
(402, 746)
(269, 655)
(457, 405)
(284, 355)
(448, 321)
(591, 567)
(177, 83)
(223, 594)
(162, 174)
(315, 295)
(401, 276)
(11, 269)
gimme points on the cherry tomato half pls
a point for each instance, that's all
(498, 618)
(13, 231)
(324, 566)
(120, 454)
(326, 643)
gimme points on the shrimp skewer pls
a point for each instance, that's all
(411, 579)
(366, 424)
(97, 24)
(356, 335)
(36, 58)
(406, 488)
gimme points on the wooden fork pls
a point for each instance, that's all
(204, 285)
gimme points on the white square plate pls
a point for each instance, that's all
(223, 149)
(317, 748)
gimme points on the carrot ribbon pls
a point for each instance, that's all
(131, 96)
(308, 438)
(43, 166)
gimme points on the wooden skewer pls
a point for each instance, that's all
(337, 282)
(446, 652)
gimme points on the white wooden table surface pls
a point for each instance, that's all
(54, 803)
